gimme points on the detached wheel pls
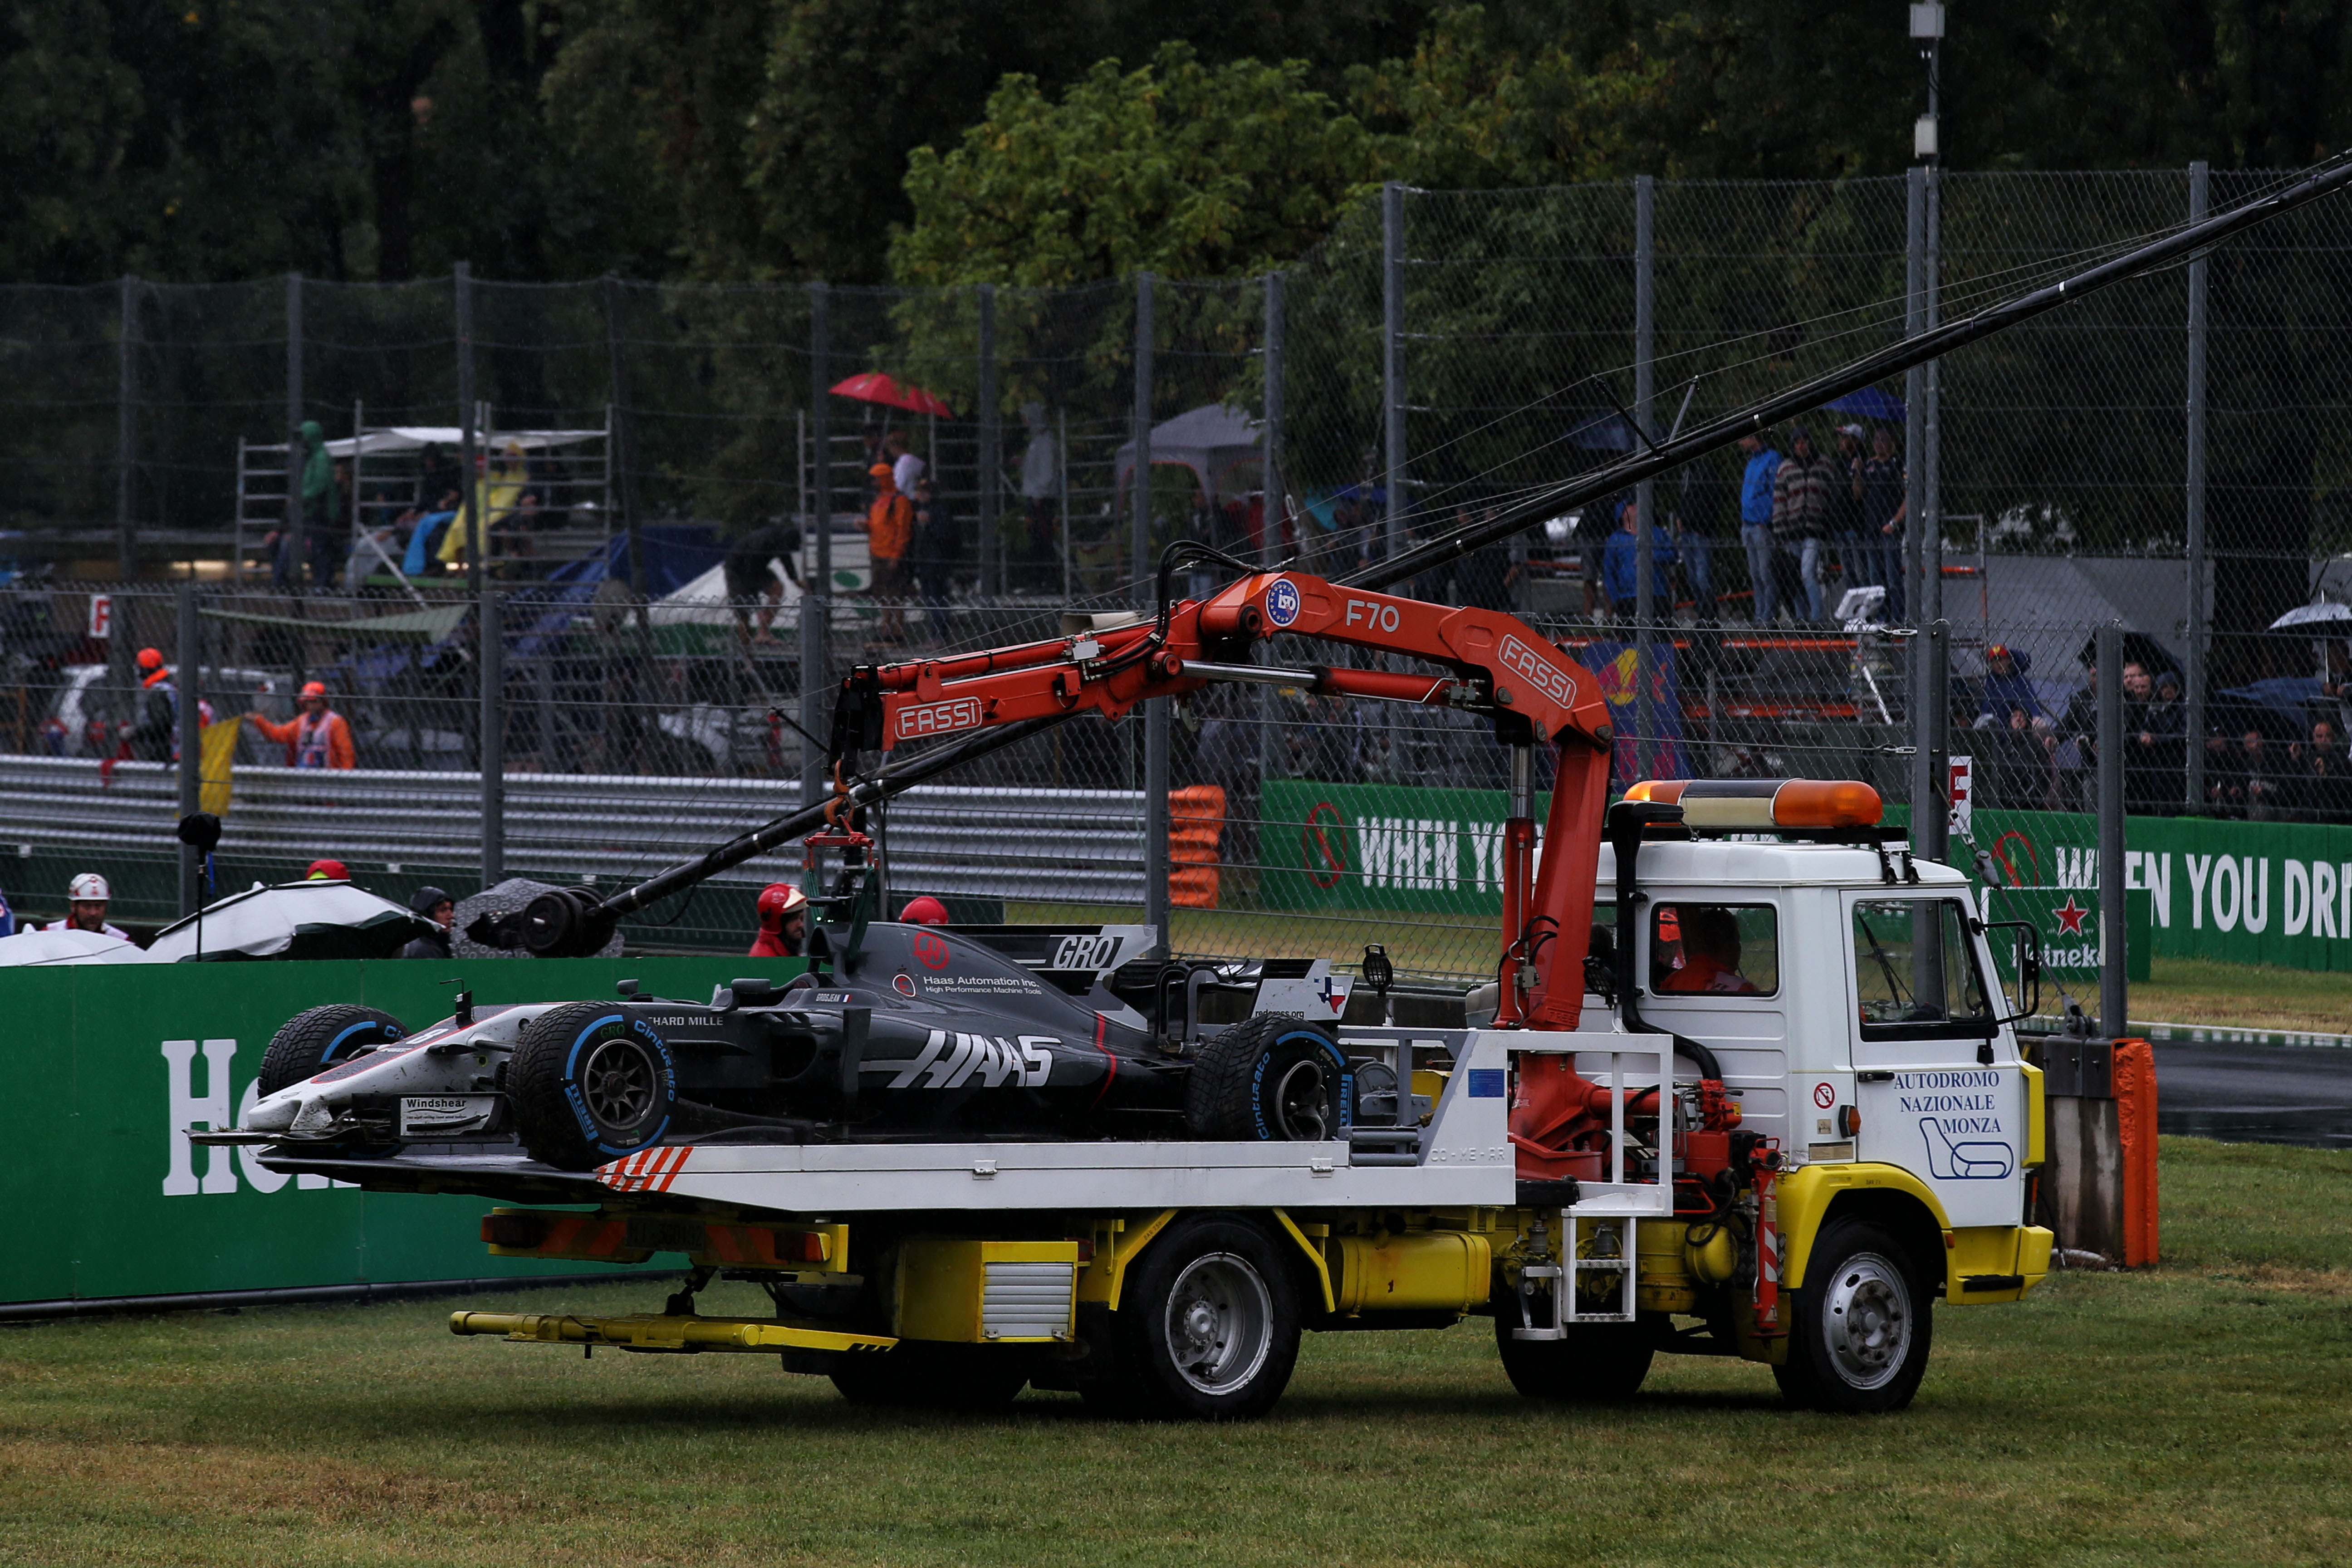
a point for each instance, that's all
(1859, 1328)
(312, 1041)
(590, 1084)
(1269, 1080)
(1207, 1328)
(1597, 1364)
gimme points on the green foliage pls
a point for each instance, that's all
(1178, 168)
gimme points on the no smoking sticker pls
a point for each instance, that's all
(1824, 1096)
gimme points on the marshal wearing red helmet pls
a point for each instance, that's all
(783, 921)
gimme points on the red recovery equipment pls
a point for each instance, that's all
(1493, 664)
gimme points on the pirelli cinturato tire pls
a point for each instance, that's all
(1269, 1080)
(1598, 1364)
(589, 1084)
(1859, 1327)
(320, 1037)
(1207, 1325)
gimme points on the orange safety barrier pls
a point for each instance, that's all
(1196, 821)
(2134, 1086)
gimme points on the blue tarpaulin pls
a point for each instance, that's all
(1868, 404)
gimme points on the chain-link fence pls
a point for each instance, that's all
(690, 537)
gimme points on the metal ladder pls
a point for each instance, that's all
(1564, 1311)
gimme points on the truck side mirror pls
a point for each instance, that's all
(2029, 966)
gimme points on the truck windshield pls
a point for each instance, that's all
(1915, 969)
(1714, 949)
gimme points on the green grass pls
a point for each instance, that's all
(2200, 991)
(2201, 1412)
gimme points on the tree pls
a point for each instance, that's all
(1182, 168)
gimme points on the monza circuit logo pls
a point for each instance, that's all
(939, 717)
(1283, 602)
(1546, 677)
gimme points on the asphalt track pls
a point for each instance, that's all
(2256, 1094)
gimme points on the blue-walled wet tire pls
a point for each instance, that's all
(591, 1084)
(1270, 1080)
(318, 1038)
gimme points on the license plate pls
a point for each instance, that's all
(446, 1113)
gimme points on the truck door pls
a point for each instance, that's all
(1936, 1090)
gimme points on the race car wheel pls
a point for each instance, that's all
(1859, 1327)
(320, 1037)
(589, 1084)
(1207, 1326)
(1598, 1364)
(1269, 1080)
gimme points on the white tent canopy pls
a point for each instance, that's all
(1220, 445)
(415, 438)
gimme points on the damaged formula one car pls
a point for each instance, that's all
(916, 1032)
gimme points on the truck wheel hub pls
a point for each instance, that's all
(1867, 1319)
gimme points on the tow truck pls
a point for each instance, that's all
(966, 1161)
(1744, 1084)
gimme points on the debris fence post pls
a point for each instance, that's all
(1932, 774)
(621, 460)
(2113, 1001)
(816, 596)
(991, 462)
(2193, 643)
(492, 664)
(290, 546)
(1275, 508)
(1645, 585)
(1393, 362)
(188, 683)
(126, 451)
(473, 539)
(1915, 400)
(1931, 482)
(1155, 735)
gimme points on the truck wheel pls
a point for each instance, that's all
(590, 1084)
(1598, 1364)
(1859, 1328)
(971, 1379)
(319, 1037)
(1268, 1080)
(1207, 1324)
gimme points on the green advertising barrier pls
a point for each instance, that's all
(2242, 892)
(111, 1065)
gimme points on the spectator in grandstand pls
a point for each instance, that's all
(1756, 481)
(1846, 511)
(1620, 566)
(935, 554)
(316, 737)
(2252, 784)
(437, 483)
(757, 567)
(438, 907)
(1693, 515)
(2325, 777)
(889, 531)
(2014, 769)
(1884, 508)
(155, 734)
(7, 917)
(2153, 752)
(1801, 512)
(2006, 686)
(905, 468)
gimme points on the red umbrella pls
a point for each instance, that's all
(875, 386)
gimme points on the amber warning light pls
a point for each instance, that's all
(1765, 806)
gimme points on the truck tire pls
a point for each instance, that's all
(1859, 1327)
(1207, 1328)
(319, 1037)
(1269, 1080)
(1598, 1364)
(969, 1379)
(590, 1084)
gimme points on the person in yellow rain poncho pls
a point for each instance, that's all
(498, 497)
